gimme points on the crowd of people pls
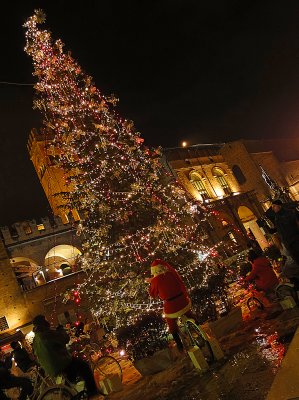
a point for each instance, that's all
(9, 380)
(50, 352)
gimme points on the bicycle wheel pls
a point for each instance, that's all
(107, 365)
(59, 392)
(36, 384)
(197, 338)
(254, 302)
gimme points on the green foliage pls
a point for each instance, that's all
(145, 337)
(204, 298)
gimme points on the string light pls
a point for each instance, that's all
(132, 209)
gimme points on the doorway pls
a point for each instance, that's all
(249, 221)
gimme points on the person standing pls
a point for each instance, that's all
(168, 285)
(21, 357)
(286, 222)
(49, 346)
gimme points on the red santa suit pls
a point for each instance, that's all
(263, 274)
(169, 287)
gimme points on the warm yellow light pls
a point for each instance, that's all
(184, 144)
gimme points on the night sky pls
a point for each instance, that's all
(201, 71)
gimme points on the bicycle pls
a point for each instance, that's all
(254, 301)
(192, 335)
(46, 388)
(33, 375)
(102, 365)
(258, 300)
(62, 389)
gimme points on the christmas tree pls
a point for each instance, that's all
(132, 208)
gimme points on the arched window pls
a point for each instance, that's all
(219, 175)
(238, 174)
(199, 185)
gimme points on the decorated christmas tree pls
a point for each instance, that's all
(132, 208)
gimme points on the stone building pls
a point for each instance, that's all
(38, 266)
(52, 177)
(237, 180)
(208, 178)
(270, 167)
(291, 173)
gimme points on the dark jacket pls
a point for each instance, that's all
(22, 359)
(286, 223)
(4, 370)
(49, 346)
(263, 274)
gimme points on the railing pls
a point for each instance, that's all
(29, 283)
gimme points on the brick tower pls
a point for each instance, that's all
(52, 177)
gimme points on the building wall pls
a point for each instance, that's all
(271, 165)
(24, 241)
(225, 222)
(205, 168)
(48, 299)
(28, 243)
(40, 238)
(19, 307)
(52, 177)
(291, 172)
(12, 302)
(235, 153)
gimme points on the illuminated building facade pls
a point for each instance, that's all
(38, 263)
(209, 179)
(52, 178)
(238, 179)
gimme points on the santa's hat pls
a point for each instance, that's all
(159, 266)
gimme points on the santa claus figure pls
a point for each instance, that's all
(168, 285)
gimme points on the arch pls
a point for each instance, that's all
(245, 214)
(248, 219)
(217, 171)
(219, 174)
(61, 260)
(198, 184)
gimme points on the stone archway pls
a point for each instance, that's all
(61, 260)
(248, 219)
